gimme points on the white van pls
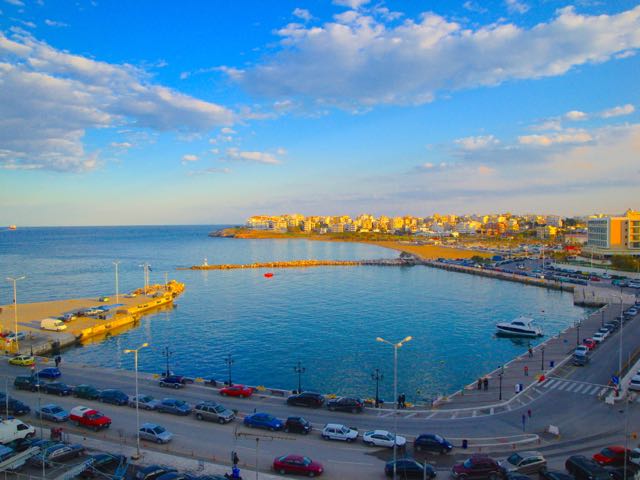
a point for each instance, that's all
(13, 429)
(53, 324)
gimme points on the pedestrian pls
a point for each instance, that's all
(404, 400)
(530, 352)
(526, 370)
(479, 383)
(485, 382)
(58, 359)
(399, 401)
(529, 413)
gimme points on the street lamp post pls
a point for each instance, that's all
(500, 381)
(116, 263)
(602, 320)
(145, 268)
(620, 335)
(395, 395)
(167, 354)
(299, 369)
(542, 360)
(377, 376)
(15, 308)
(578, 323)
(229, 361)
(135, 363)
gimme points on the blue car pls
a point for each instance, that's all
(50, 372)
(263, 420)
(53, 413)
(171, 405)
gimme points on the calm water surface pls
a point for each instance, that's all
(326, 318)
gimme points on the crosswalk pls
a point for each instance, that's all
(574, 387)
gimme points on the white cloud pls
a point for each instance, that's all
(351, 3)
(54, 23)
(618, 111)
(548, 140)
(50, 98)
(189, 158)
(228, 131)
(476, 143)
(549, 124)
(358, 61)
(576, 115)
(252, 156)
(515, 6)
(210, 171)
(17, 3)
(123, 145)
(302, 13)
(474, 7)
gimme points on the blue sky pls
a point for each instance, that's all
(157, 112)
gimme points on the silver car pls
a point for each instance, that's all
(146, 402)
(524, 462)
(155, 433)
(53, 413)
(214, 412)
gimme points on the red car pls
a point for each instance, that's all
(297, 464)
(613, 456)
(477, 467)
(236, 391)
(590, 343)
(88, 417)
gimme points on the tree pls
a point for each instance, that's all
(625, 262)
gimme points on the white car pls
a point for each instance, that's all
(632, 311)
(598, 337)
(337, 431)
(382, 438)
(581, 350)
(634, 383)
(604, 331)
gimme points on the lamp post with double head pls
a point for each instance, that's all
(135, 363)
(299, 369)
(116, 263)
(377, 376)
(15, 308)
(395, 346)
(229, 361)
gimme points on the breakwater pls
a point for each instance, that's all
(393, 262)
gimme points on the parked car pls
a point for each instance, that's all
(22, 360)
(383, 438)
(581, 350)
(306, 399)
(53, 413)
(50, 373)
(101, 464)
(27, 382)
(589, 343)
(554, 475)
(57, 453)
(477, 467)
(598, 337)
(336, 431)
(236, 391)
(152, 472)
(173, 381)
(86, 391)
(155, 433)
(346, 404)
(524, 462)
(634, 383)
(583, 468)
(297, 464)
(90, 418)
(12, 429)
(622, 473)
(613, 456)
(146, 402)
(13, 407)
(175, 406)
(409, 468)
(214, 412)
(115, 397)
(263, 420)
(432, 443)
(12, 337)
(604, 331)
(58, 388)
(297, 425)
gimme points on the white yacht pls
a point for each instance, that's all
(519, 327)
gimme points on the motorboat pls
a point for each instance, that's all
(519, 327)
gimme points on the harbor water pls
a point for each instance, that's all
(325, 317)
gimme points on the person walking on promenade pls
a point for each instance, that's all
(485, 382)
(526, 370)
(479, 383)
(530, 352)
(399, 401)
(58, 359)
(529, 413)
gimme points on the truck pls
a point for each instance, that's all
(13, 429)
(90, 418)
(53, 324)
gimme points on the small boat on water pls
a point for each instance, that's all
(268, 275)
(519, 327)
(12, 227)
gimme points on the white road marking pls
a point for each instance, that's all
(548, 383)
(572, 386)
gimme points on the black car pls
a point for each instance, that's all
(516, 476)
(152, 472)
(409, 468)
(583, 468)
(20, 444)
(618, 473)
(554, 475)
(115, 397)
(346, 404)
(14, 407)
(24, 382)
(58, 388)
(306, 399)
(432, 443)
(297, 425)
(102, 463)
(175, 381)
(86, 391)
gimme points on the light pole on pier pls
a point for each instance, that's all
(299, 369)
(395, 346)
(542, 360)
(167, 354)
(229, 361)
(578, 323)
(135, 363)
(116, 263)
(500, 381)
(145, 268)
(15, 308)
(377, 376)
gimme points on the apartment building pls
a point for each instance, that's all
(610, 235)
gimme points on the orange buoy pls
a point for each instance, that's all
(268, 274)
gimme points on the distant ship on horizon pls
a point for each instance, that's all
(12, 227)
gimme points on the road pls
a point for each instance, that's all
(568, 401)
